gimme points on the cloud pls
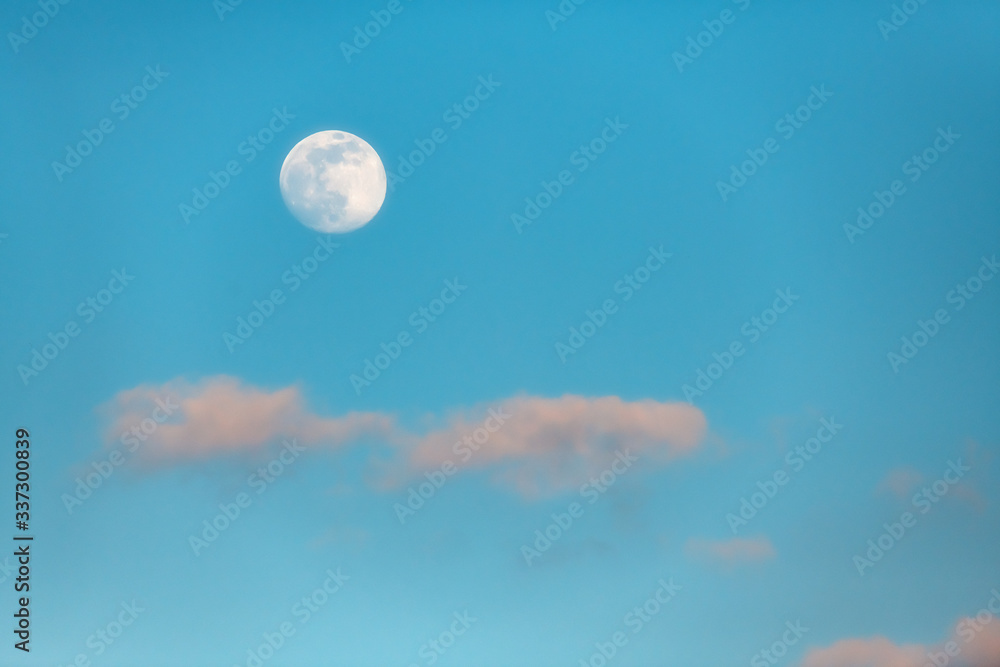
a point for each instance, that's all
(536, 445)
(968, 493)
(874, 652)
(904, 483)
(546, 444)
(730, 553)
(222, 415)
(972, 644)
(900, 482)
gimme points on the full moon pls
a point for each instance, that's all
(333, 182)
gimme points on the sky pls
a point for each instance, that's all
(679, 348)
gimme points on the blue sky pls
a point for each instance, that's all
(680, 131)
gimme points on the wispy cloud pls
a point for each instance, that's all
(536, 445)
(972, 644)
(554, 443)
(222, 415)
(732, 552)
(901, 482)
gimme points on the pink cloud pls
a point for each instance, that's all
(903, 483)
(900, 482)
(874, 652)
(732, 552)
(222, 415)
(981, 643)
(971, 644)
(546, 444)
(537, 445)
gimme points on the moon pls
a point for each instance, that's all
(333, 182)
